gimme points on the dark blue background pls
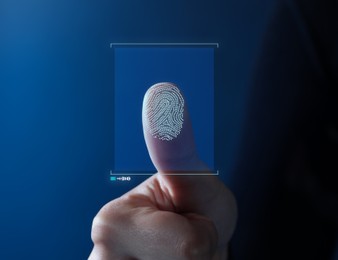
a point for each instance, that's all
(135, 70)
(56, 104)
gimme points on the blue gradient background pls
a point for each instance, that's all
(56, 107)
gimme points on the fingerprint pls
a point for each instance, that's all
(164, 111)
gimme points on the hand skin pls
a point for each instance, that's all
(168, 217)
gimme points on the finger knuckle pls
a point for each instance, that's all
(103, 230)
(195, 247)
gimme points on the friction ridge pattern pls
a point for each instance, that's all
(164, 111)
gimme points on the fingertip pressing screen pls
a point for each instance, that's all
(136, 69)
(163, 108)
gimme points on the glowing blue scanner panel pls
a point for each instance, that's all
(137, 69)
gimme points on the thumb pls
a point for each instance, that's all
(167, 130)
(169, 137)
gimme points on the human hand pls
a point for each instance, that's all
(168, 216)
